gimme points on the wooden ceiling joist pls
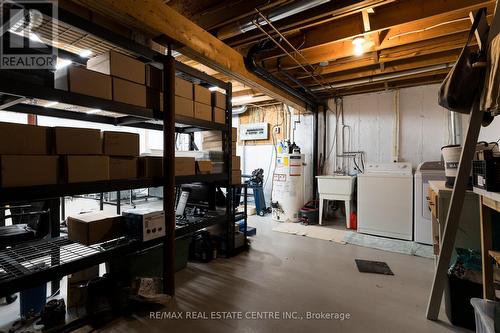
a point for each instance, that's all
(198, 44)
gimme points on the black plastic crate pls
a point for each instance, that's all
(486, 174)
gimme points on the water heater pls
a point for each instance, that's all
(288, 193)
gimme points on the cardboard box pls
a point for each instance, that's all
(28, 170)
(202, 111)
(236, 177)
(19, 139)
(233, 149)
(94, 227)
(234, 134)
(212, 145)
(76, 141)
(219, 100)
(122, 167)
(184, 166)
(183, 88)
(120, 143)
(202, 95)
(219, 115)
(80, 169)
(204, 167)
(154, 77)
(210, 136)
(83, 81)
(119, 65)
(150, 167)
(129, 92)
(235, 163)
(184, 107)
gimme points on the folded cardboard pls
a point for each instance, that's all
(204, 167)
(219, 115)
(119, 65)
(120, 143)
(235, 163)
(83, 81)
(76, 141)
(122, 167)
(79, 169)
(19, 139)
(183, 88)
(236, 177)
(154, 77)
(150, 166)
(28, 170)
(184, 166)
(184, 107)
(129, 92)
(94, 227)
(202, 111)
(202, 95)
(219, 100)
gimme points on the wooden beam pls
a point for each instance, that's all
(196, 43)
(327, 36)
(366, 20)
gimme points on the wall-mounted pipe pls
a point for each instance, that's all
(455, 119)
(395, 150)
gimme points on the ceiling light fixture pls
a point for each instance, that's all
(85, 53)
(358, 43)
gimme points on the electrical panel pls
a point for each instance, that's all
(254, 131)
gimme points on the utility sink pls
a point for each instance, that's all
(336, 185)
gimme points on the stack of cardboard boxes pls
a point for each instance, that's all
(36, 155)
(212, 141)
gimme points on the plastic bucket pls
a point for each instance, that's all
(451, 156)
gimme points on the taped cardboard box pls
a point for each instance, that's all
(119, 65)
(202, 111)
(236, 177)
(184, 107)
(76, 141)
(83, 81)
(234, 134)
(219, 115)
(150, 166)
(94, 227)
(123, 167)
(129, 92)
(210, 136)
(120, 143)
(219, 100)
(202, 95)
(80, 169)
(185, 166)
(183, 88)
(154, 77)
(19, 139)
(204, 167)
(212, 145)
(235, 163)
(28, 170)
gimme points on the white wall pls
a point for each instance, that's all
(424, 127)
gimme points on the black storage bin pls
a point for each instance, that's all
(487, 174)
(457, 297)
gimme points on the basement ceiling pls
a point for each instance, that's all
(340, 47)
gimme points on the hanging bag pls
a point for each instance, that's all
(460, 87)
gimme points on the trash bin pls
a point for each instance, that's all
(484, 311)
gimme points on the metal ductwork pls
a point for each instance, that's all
(239, 110)
(252, 66)
(273, 16)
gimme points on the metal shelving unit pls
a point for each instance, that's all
(64, 255)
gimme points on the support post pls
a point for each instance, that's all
(169, 173)
(315, 153)
(455, 211)
(228, 144)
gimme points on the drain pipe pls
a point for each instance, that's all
(395, 150)
(455, 119)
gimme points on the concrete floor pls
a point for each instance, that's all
(288, 273)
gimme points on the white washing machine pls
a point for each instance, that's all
(385, 200)
(426, 171)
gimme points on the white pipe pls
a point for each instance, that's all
(395, 151)
(384, 77)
